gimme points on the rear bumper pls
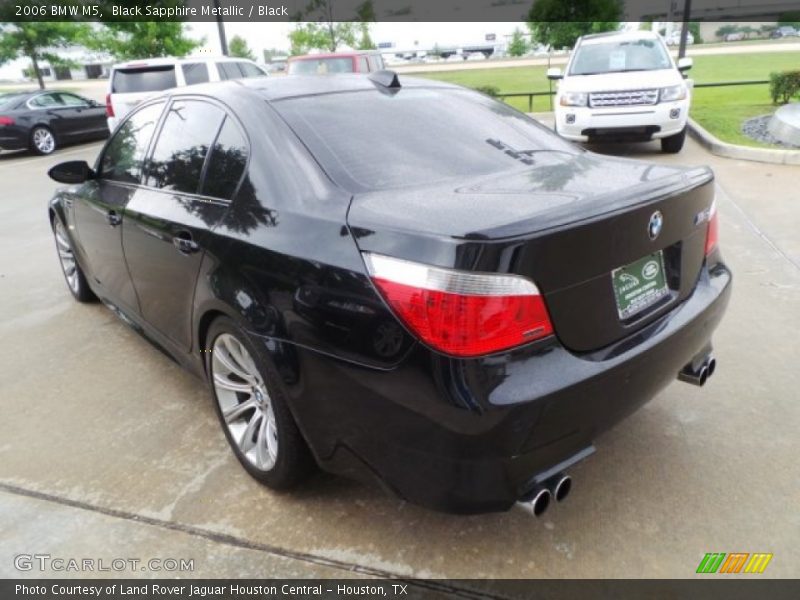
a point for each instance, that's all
(472, 436)
(583, 124)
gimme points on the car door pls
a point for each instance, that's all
(99, 209)
(169, 221)
(50, 111)
(87, 119)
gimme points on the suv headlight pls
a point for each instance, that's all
(673, 93)
(574, 99)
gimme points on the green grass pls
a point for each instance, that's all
(720, 110)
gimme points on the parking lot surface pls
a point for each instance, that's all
(109, 449)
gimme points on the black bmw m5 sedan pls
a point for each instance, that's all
(397, 280)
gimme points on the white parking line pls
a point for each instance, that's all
(15, 163)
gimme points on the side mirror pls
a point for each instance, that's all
(684, 64)
(71, 172)
(554, 73)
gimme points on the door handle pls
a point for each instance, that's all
(184, 243)
(114, 218)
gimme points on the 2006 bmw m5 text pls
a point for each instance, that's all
(401, 281)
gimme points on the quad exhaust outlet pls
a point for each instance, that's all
(697, 373)
(539, 499)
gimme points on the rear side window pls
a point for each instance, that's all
(369, 140)
(123, 159)
(195, 73)
(227, 163)
(143, 79)
(183, 143)
(229, 70)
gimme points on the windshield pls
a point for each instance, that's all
(620, 56)
(370, 140)
(321, 66)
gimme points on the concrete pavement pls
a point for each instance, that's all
(104, 439)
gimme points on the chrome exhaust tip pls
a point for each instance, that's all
(698, 375)
(560, 487)
(537, 503)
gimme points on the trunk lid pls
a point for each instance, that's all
(567, 223)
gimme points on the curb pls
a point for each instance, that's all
(720, 148)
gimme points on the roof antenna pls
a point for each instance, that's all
(385, 78)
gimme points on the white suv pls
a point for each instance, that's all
(623, 87)
(135, 80)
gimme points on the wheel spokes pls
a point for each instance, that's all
(236, 413)
(233, 386)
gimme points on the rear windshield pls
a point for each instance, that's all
(321, 66)
(370, 140)
(143, 79)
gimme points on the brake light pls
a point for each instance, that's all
(458, 312)
(6, 121)
(109, 108)
(712, 232)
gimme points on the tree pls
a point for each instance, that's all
(328, 33)
(560, 23)
(747, 30)
(37, 41)
(694, 29)
(238, 47)
(790, 19)
(322, 36)
(143, 39)
(726, 30)
(518, 45)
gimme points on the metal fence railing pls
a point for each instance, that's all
(531, 95)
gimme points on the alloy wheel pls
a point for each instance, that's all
(44, 141)
(244, 402)
(67, 258)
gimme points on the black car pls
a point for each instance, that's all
(401, 281)
(44, 120)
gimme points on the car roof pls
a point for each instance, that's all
(291, 86)
(169, 60)
(598, 38)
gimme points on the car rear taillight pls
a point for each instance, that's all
(459, 312)
(712, 233)
(6, 121)
(109, 108)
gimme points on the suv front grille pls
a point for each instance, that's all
(630, 98)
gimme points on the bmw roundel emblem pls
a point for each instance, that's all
(655, 224)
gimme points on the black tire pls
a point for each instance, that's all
(76, 280)
(294, 461)
(674, 143)
(43, 141)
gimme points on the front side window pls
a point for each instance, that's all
(363, 64)
(195, 73)
(375, 62)
(123, 159)
(73, 100)
(229, 70)
(180, 151)
(227, 163)
(250, 70)
(619, 57)
(46, 101)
